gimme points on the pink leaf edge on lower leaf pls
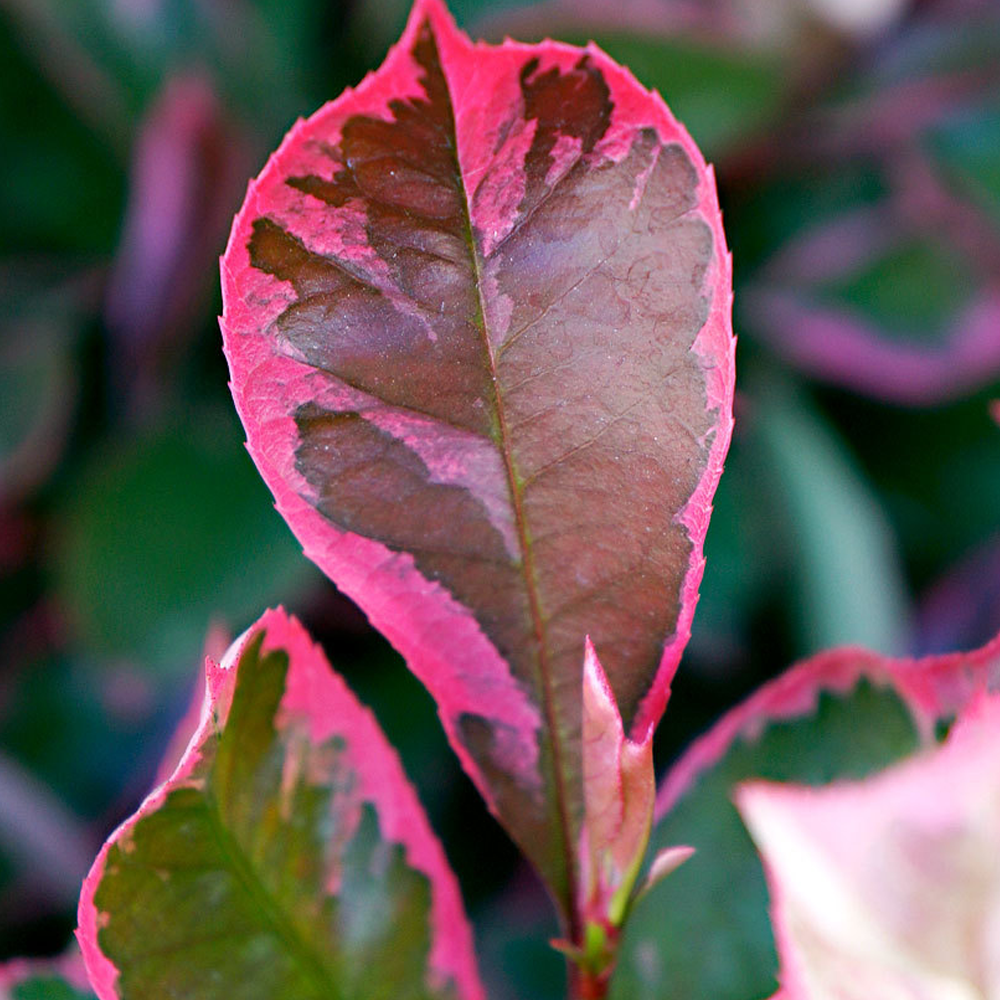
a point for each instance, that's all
(315, 692)
(932, 687)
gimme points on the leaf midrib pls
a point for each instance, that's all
(527, 562)
(273, 914)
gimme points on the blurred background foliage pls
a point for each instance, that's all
(857, 149)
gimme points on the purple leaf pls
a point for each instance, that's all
(185, 178)
(477, 321)
(287, 855)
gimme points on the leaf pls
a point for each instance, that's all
(961, 608)
(48, 979)
(476, 316)
(39, 388)
(844, 714)
(287, 856)
(859, 302)
(847, 581)
(889, 887)
(722, 94)
(967, 146)
(163, 531)
(185, 177)
(619, 790)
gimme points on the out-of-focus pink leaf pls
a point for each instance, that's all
(890, 887)
(186, 176)
(63, 978)
(477, 321)
(842, 344)
(847, 350)
(287, 855)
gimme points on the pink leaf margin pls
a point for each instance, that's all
(315, 692)
(933, 688)
(441, 642)
(846, 349)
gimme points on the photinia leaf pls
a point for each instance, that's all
(287, 855)
(860, 302)
(51, 979)
(845, 714)
(889, 887)
(477, 321)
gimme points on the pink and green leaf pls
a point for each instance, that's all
(45, 979)
(477, 322)
(287, 855)
(860, 302)
(889, 886)
(843, 715)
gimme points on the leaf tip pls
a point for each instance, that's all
(666, 862)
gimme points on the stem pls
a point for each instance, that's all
(584, 984)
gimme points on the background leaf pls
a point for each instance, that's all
(153, 549)
(60, 979)
(846, 713)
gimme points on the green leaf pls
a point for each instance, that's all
(287, 857)
(165, 532)
(845, 573)
(722, 95)
(912, 293)
(46, 987)
(967, 146)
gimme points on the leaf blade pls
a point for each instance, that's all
(464, 426)
(287, 854)
(845, 713)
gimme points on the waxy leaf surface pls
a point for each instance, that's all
(287, 856)
(845, 714)
(477, 321)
